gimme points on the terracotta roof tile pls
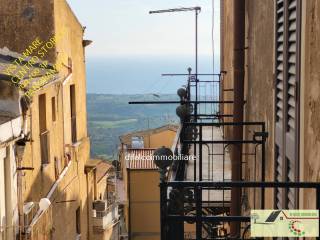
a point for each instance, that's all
(140, 159)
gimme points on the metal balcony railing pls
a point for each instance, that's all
(192, 208)
(178, 198)
(204, 108)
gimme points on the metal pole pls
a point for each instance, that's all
(188, 87)
(263, 166)
(318, 204)
(163, 209)
(200, 153)
(196, 42)
(183, 74)
(179, 102)
(238, 74)
(198, 212)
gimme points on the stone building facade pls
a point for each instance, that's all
(281, 89)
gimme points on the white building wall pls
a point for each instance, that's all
(2, 195)
(12, 187)
(9, 217)
(11, 129)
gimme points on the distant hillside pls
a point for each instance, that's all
(110, 116)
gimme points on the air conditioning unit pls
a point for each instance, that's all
(106, 218)
(100, 205)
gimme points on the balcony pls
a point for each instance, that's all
(104, 218)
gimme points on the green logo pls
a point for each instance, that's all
(297, 228)
(284, 223)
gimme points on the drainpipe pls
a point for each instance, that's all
(238, 74)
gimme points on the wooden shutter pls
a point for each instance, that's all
(287, 99)
(279, 101)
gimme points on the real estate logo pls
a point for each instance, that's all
(284, 223)
(297, 228)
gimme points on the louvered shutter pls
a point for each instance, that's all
(287, 99)
(279, 99)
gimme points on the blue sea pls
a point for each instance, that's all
(141, 75)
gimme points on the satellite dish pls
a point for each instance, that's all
(44, 204)
(182, 111)
(163, 157)
(182, 92)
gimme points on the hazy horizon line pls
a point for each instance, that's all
(151, 55)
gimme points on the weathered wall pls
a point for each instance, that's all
(144, 204)
(310, 96)
(23, 21)
(259, 92)
(259, 60)
(9, 99)
(161, 139)
(227, 60)
(102, 188)
(90, 184)
(71, 47)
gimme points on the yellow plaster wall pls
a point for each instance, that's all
(144, 204)
(142, 189)
(51, 18)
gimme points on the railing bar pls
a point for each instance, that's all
(198, 216)
(242, 184)
(179, 102)
(225, 124)
(210, 218)
(223, 141)
(318, 204)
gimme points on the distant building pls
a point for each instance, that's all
(102, 200)
(139, 180)
(150, 138)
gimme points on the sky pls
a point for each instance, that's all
(124, 27)
(131, 48)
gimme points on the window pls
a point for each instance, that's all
(53, 109)
(287, 80)
(78, 221)
(44, 133)
(137, 142)
(73, 113)
(42, 113)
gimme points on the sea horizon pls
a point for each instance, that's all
(141, 74)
